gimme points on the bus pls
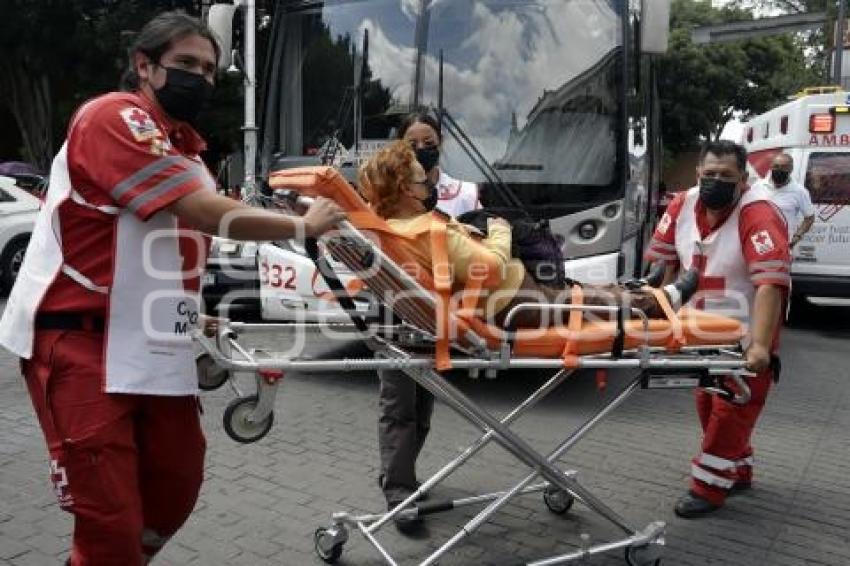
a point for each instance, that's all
(549, 105)
(814, 129)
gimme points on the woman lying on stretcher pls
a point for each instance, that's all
(395, 185)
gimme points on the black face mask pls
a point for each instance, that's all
(184, 94)
(428, 157)
(779, 177)
(716, 194)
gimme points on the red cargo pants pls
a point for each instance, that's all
(727, 455)
(128, 467)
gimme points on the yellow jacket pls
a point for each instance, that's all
(488, 260)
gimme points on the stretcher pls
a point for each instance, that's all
(688, 349)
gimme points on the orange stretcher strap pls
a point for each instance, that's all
(677, 335)
(442, 271)
(471, 294)
(570, 354)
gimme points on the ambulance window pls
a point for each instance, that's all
(828, 178)
(6, 197)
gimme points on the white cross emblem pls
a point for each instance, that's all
(140, 124)
(762, 242)
(60, 481)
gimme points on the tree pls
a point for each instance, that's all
(703, 86)
(58, 53)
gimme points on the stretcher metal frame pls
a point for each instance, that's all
(249, 418)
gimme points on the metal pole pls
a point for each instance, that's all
(839, 42)
(249, 186)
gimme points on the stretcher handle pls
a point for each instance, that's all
(298, 204)
(292, 199)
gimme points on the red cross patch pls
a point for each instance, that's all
(448, 192)
(762, 242)
(60, 482)
(140, 124)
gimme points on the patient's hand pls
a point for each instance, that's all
(473, 231)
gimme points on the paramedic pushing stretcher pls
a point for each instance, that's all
(738, 240)
(397, 188)
(102, 305)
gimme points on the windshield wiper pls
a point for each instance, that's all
(466, 144)
(474, 154)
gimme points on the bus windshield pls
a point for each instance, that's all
(534, 85)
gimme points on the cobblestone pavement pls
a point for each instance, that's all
(261, 503)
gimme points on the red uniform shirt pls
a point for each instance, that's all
(766, 266)
(121, 152)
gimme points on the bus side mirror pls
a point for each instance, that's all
(654, 26)
(220, 21)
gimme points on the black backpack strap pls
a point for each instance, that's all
(335, 285)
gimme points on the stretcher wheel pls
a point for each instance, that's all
(646, 555)
(236, 423)
(557, 500)
(326, 547)
(211, 376)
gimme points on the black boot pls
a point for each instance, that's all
(692, 506)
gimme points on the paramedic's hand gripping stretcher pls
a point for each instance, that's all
(686, 349)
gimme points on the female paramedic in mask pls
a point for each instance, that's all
(406, 407)
(422, 132)
(106, 297)
(396, 186)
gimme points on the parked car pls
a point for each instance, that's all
(231, 284)
(18, 210)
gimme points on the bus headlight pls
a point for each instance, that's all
(587, 230)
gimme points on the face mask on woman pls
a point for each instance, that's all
(428, 157)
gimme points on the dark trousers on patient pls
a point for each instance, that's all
(404, 422)
(599, 295)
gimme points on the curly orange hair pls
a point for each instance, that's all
(382, 177)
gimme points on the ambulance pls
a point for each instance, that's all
(814, 129)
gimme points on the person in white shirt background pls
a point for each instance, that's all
(422, 132)
(792, 198)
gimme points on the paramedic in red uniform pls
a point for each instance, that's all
(97, 313)
(739, 240)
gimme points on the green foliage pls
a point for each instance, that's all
(703, 86)
(329, 86)
(81, 47)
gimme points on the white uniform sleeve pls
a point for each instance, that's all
(806, 206)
